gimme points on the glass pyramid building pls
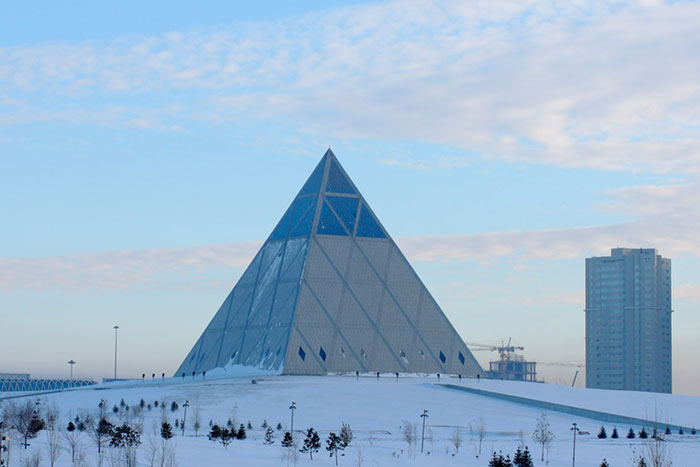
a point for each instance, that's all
(330, 292)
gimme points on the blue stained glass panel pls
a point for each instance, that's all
(302, 354)
(299, 208)
(368, 225)
(442, 357)
(322, 353)
(303, 227)
(313, 183)
(461, 358)
(282, 228)
(337, 182)
(346, 208)
(328, 224)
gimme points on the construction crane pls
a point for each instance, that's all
(575, 365)
(504, 351)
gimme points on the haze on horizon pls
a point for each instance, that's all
(147, 151)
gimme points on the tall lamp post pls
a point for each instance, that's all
(292, 408)
(71, 362)
(185, 405)
(576, 431)
(424, 415)
(115, 351)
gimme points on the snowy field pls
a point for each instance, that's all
(376, 410)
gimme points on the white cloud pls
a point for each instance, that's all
(129, 268)
(569, 83)
(118, 269)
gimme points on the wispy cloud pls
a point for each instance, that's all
(118, 269)
(129, 268)
(582, 83)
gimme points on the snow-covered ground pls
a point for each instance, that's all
(376, 411)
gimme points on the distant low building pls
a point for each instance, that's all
(22, 382)
(628, 321)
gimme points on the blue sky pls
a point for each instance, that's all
(147, 150)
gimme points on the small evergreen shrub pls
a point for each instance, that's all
(602, 434)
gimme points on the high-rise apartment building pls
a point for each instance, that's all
(628, 321)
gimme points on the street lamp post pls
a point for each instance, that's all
(115, 351)
(292, 408)
(576, 430)
(424, 415)
(185, 405)
(71, 362)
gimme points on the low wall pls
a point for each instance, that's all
(619, 420)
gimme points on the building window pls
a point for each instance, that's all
(442, 357)
(461, 358)
(322, 353)
(302, 354)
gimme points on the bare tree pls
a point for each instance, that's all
(101, 432)
(409, 431)
(152, 445)
(53, 435)
(72, 434)
(456, 439)
(26, 421)
(32, 461)
(113, 456)
(51, 413)
(197, 414)
(160, 449)
(543, 434)
(657, 452)
(359, 457)
(80, 458)
(291, 452)
(99, 429)
(477, 433)
(170, 456)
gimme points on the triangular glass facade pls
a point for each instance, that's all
(329, 291)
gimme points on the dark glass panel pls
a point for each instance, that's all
(337, 182)
(328, 224)
(368, 225)
(346, 208)
(303, 226)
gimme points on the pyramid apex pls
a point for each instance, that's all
(329, 152)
